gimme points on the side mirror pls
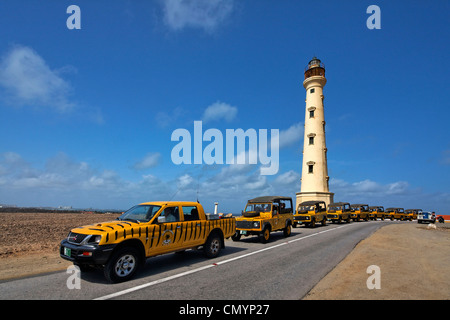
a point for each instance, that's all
(161, 219)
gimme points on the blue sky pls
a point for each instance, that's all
(87, 115)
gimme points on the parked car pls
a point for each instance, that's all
(426, 217)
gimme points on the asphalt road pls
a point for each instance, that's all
(284, 268)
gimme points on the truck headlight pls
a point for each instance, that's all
(256, 224)
(92, 239)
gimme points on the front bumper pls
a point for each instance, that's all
(85, 254)
(302, 218)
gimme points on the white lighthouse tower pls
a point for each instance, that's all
(314, 183)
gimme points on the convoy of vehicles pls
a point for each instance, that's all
(264, 215)
(311, 212)
(339, 211)
(120, 247)
(149, 229)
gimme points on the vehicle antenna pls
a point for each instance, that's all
(198, 184)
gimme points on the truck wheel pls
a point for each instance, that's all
(265, 235)
(312, 224)
(287, 231)
(236, 236)
(324, 221)
(213, 246)
(122, 265)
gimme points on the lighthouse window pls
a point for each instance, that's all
(312, 90)
(311, 114)
(311, 140)
(310, 168)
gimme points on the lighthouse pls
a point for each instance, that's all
(315, 179)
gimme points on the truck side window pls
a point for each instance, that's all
(172, 214)
(190, 213)
(286, 206)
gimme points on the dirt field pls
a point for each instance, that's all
(413, 260)
(29, 242)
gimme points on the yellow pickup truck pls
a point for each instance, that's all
(339, 211)
(395, 213)
(311, 212)
(412, 214)
(120, 247)
(376, 212)
(360, 211)
(264, 215)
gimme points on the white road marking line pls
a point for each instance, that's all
(179, 275)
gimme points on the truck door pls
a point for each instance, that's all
(166, 234)
(276, 216)
(194, 227)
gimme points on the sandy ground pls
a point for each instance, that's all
(413, 260)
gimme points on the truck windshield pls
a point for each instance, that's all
(302, 209)
(334, 208)
(258, 207)
(140, 213)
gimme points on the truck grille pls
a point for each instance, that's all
(76, 238)
(244, 224)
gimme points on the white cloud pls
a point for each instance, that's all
(202, 14)
(219, 111)
(149, 161)
(28, 80)
(368, 191)
(292, 135)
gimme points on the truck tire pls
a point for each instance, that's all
(122, 265)
(236, 236)
(287, 231)
(264, 236)
(213, 245)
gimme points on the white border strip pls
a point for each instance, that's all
(179, 275)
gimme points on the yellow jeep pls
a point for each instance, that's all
(412, 213)
(376, 212)
(311, 212)
(339, 211)
(395, 213)
(264, 215)
(145, 230)
(360, 211)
